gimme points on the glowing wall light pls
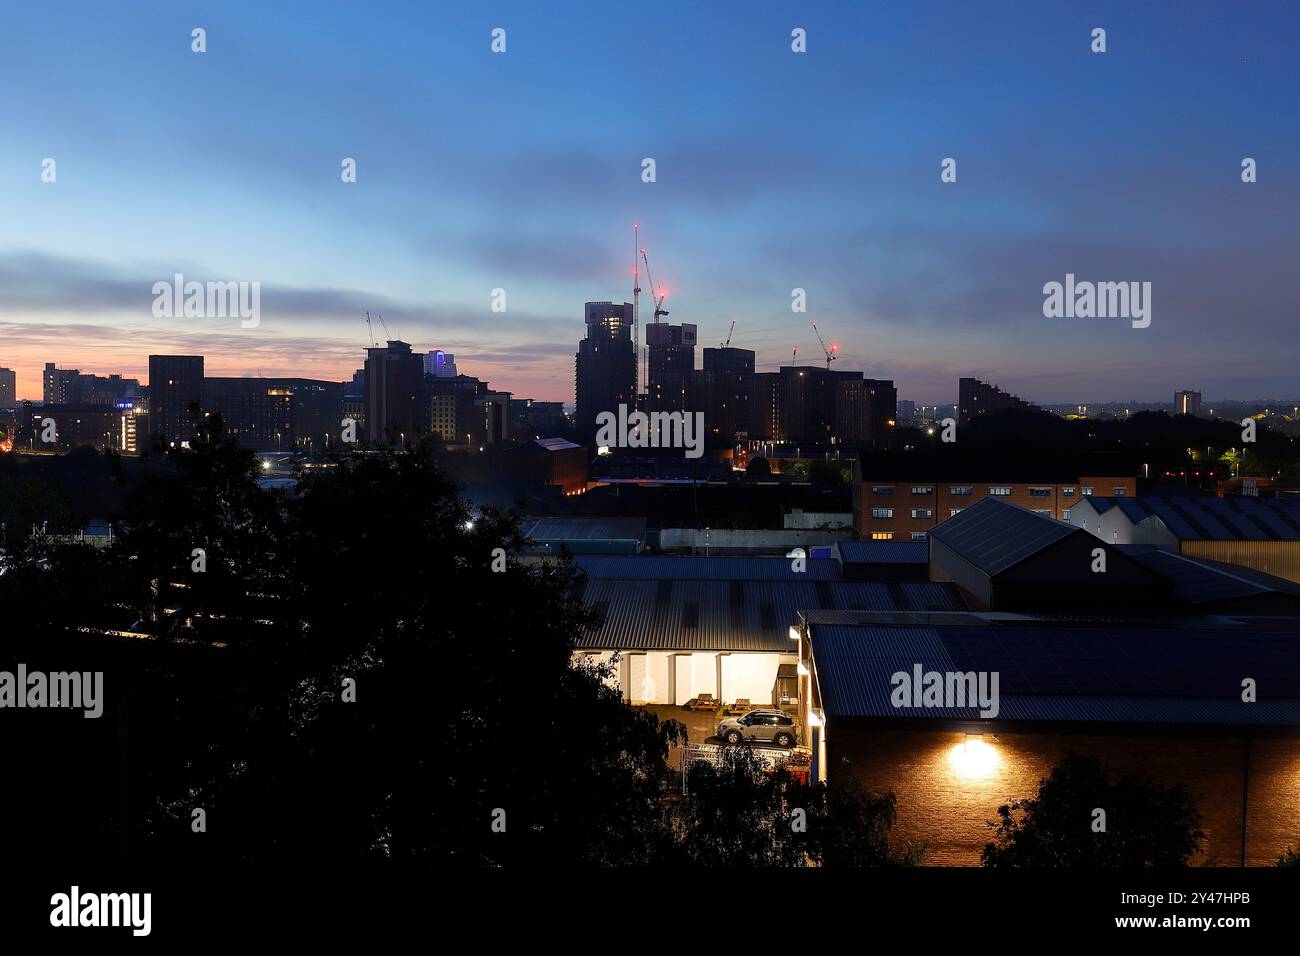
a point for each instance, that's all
(974, 758)
(794, 633)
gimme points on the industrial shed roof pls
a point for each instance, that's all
(883, 552)
(1200, 581)
(656, 567)
(555, 444)
(735, 615)
(1228, 519)
(994, 535)
(1133, 508)
(584, 529)
(1052, 672)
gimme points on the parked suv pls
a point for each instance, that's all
(763, 726)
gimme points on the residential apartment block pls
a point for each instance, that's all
(901, 502)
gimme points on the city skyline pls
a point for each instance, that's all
(854, 444)
(775, 171)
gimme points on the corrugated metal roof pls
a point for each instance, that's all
(1198, 581)
(1133, 508)
(862, 596)
(926, 596)
(1228, 519)
(584, 529)
(738, 615)
(555, 444)
(883, 552)
(1053, 673)
(680, 567)
(993, 535)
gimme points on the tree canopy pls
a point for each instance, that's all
(1082, 816)
(363, 669)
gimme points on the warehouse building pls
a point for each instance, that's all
(553, 536)
(1165, 701)
(1005, 557)
(882, 560)
(685, 626)
(1259, 533)
(551, 461)
(1212, 587)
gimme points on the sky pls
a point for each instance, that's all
(774, 170)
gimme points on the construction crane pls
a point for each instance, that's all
(636, 306)
(657, 294)
(830, 352)
(727, 342)
(794, 353)
(370, 330)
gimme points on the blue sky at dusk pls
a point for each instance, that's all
(775, 170)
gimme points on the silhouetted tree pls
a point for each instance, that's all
(467, 710)
(363, 669)
(852, 828)
(744, 812)
(203, 547)
(741, 813)
(1145, 824)
(828, 472)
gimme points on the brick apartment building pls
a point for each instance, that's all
(900, 498)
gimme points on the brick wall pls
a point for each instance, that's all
(939, 501)
(939, 806)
